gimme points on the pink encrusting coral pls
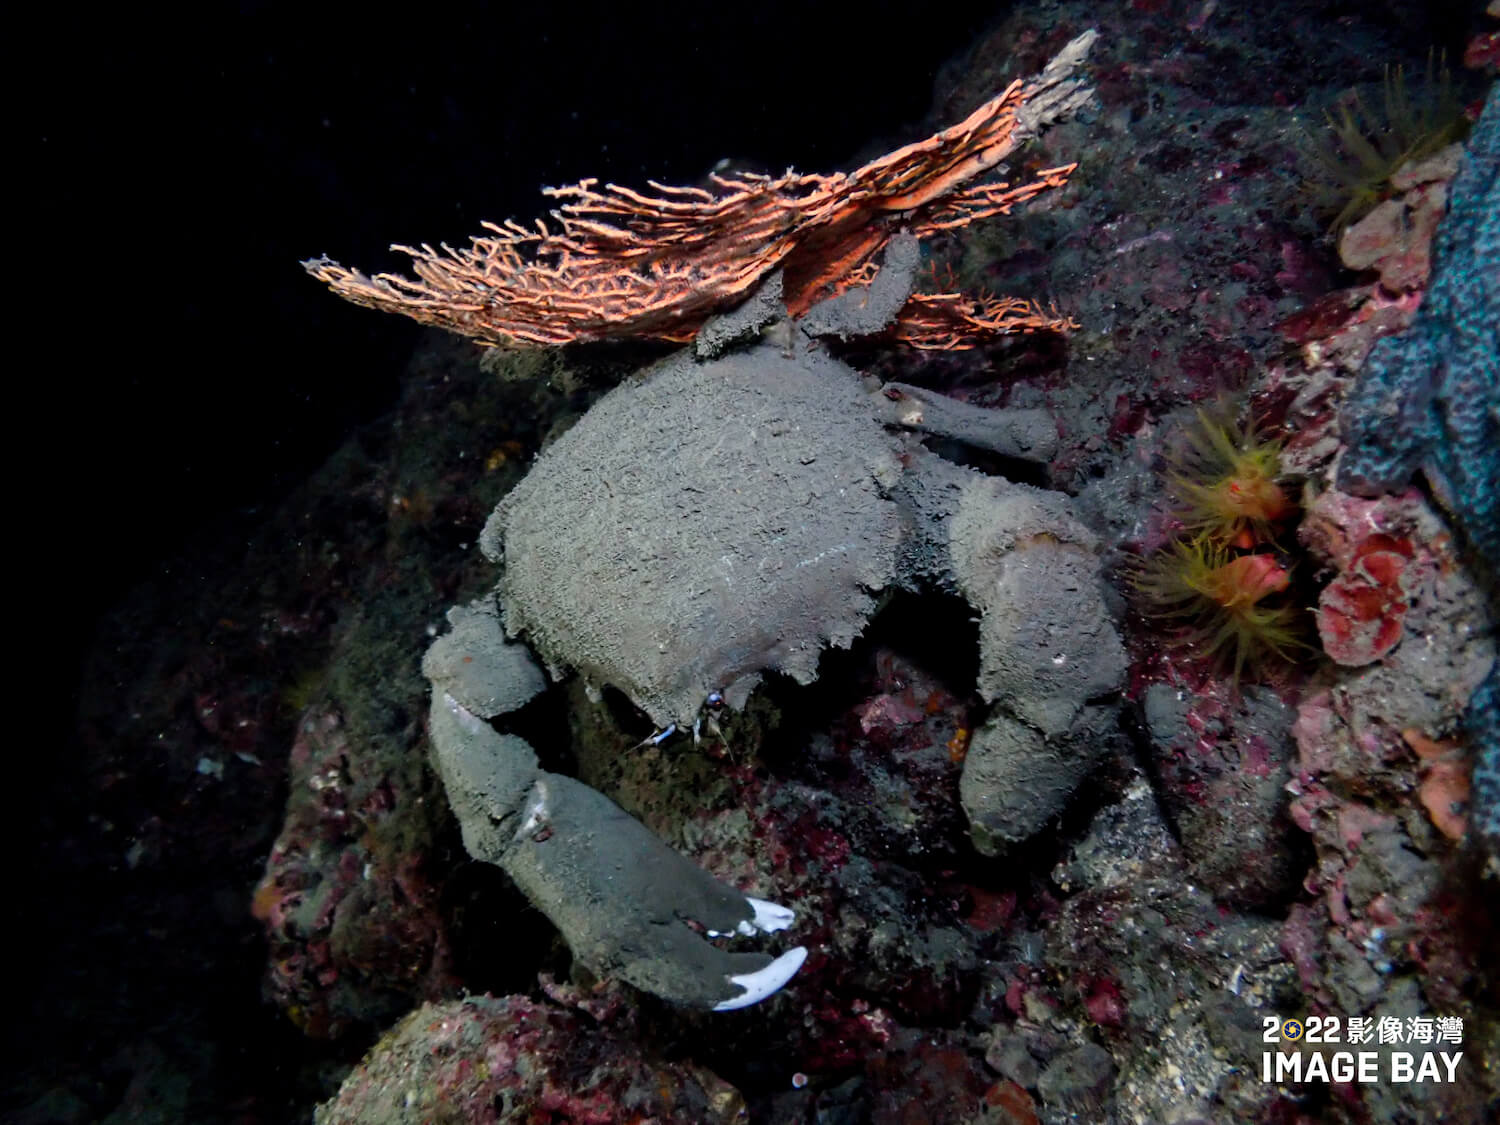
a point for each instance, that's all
(1360, 612)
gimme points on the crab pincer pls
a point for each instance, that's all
(631, 907)
(626, 903)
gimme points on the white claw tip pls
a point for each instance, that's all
(764, 982)
(769, 916)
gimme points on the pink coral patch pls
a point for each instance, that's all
(1360, 613)
(890, 710)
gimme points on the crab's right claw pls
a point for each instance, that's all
(630, 906)
(627, 904)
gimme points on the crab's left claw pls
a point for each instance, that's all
(630, 906)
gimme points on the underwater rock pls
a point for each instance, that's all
(511, 1060)
(351, 913)
(1395, 238)
(1221, 764)
(1078, 1082)
(1399, 575)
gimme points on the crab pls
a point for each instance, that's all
(733, 511)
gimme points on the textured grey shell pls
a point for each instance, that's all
(713, 521)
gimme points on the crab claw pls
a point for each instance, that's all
(761, 983)
(630, 906)
(627, 904)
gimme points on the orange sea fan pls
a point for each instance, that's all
(622, 263)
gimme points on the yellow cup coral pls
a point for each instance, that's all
(1225, 481)
(1349, 164)
(1215, 596)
